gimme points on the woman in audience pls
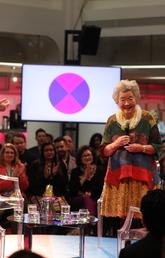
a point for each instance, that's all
(94, 143)
(86, 181)
(10, 165)
(45, 172)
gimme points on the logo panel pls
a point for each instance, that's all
(69, 93)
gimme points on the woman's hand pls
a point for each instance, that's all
(55, 169)
(116, 144)
(18, 171)
(134, 147)
(122, 140)
(88, 194)
(90, 171)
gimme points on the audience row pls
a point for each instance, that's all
(76, 176)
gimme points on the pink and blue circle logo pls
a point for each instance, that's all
(69, 93)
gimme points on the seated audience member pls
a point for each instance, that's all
(162, 148)
(153, 213)
(9, 136)
(49, 137)
(46, 171)
(70, 144)
(19, 140)
(10, 165)
(162, 163)
(95, 143)
(162, 170)
(86, 181)
(67, 161)
(25, 254)
(41, 138)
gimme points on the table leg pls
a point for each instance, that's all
(82, 242)
(20, 235)
(28, 238)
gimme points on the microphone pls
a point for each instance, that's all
(127, 127)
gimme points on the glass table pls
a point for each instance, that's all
(55, 222)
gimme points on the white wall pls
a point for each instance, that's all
(22, 19)
(85, 131)
(49, 127)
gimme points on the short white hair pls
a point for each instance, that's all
(124, 86)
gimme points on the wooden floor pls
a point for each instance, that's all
(59, 246)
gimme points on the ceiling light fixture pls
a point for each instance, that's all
(11, 64)
(142, 66)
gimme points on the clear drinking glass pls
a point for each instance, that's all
(48, 208)
(83, 215)
(65, 213)
(74, 217)
(32, 208)
(18, 213)
(33, 214)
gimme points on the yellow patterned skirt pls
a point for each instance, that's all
(117, 199)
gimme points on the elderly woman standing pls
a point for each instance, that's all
(131, 141)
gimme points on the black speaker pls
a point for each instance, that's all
(89, 40)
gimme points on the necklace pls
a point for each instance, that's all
(10, 171)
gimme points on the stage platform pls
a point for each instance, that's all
(59, 246)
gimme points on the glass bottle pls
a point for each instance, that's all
(19, 202)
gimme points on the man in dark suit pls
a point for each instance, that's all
(66, 162)
(19, 140)
(153, 212)
(41, 138)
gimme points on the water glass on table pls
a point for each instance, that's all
(48, 208)
(65, 213)
(18, 213)
(84, 215)
(33, 213)
(74, 217)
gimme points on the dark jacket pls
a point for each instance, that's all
(94, 186)
(38, 182)
(148, 247)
